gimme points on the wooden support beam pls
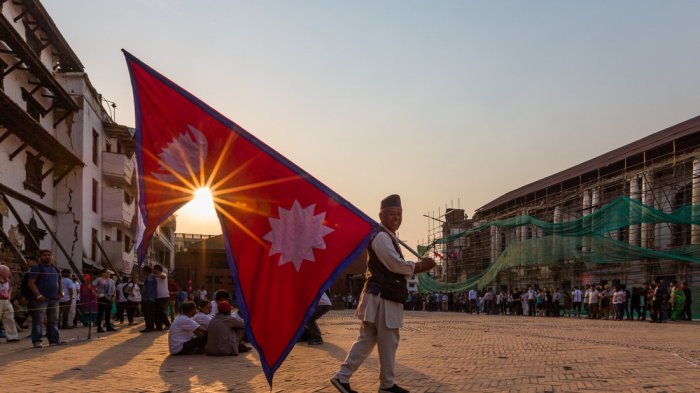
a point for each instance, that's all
(5, 135)
(61, 118)
(104, 254)
(19, 150)
(64, 173)
(6, 239)
(21, 14)
(16, 66)
(77, 271)
(48, 172)
(21, 223)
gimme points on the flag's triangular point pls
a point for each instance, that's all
(287, 236)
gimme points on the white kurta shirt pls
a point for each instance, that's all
(368, 306)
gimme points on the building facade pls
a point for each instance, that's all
(67, 170)
(656, 180)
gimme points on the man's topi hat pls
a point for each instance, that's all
(391, 201)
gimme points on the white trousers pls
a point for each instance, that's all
(7, 315)
(371, 334)
(71, 311)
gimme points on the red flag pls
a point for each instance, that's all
(287, 235)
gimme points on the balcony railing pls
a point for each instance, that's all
(114, 209)
(118, 167)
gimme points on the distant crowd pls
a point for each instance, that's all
(658, 301)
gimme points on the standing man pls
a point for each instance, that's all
(148, 300)
(43, 281)
(105, 288)
(577, 298)
(381, 304)
(162, 298)
(688, 301)
(65, 302)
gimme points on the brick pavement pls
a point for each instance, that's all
(439, 352)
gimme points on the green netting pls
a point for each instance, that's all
(585, 240)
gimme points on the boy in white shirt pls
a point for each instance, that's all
(185, 335)
(203, 316)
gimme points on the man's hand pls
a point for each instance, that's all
(424, 265)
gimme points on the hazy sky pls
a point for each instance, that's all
(434, 100)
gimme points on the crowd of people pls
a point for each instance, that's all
(52, 300)
(657, 301)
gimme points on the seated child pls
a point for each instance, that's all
(185, 335)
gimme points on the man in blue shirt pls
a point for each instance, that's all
(148, 299)
(45, 285)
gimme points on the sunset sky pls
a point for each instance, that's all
(443, 102)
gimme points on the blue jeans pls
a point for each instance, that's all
(38, 310)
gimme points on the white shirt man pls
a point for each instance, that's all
(185, 335)
(381, 318)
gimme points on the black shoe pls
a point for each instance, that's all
(394, 389)
(145, 330)
(100, 330)
(343, 387)
(112, 329)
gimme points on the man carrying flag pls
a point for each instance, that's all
(381, 303)
(287, 236)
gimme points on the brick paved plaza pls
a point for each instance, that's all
(439, 352)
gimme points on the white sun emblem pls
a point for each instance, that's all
(296, 233)
(182, 154)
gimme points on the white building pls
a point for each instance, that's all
(66, 168)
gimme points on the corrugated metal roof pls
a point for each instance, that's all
(656, 139)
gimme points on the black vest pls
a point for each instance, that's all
(380, 280)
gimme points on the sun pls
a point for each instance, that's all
(199, 214)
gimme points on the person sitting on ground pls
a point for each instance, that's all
(225, 333)
(220, 295)
(203, 317)
(185, 335)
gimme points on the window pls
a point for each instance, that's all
(95, 186)
(127, 243)
(93, 245)
(33, 174)
(108, 146)
(127, 198)
(95, 147)
(119, 235)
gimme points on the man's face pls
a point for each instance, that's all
(391, 218)
(46, 257)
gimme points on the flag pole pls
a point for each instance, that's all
(406, 246)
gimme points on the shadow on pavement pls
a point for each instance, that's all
(182, 373)
(111, 358)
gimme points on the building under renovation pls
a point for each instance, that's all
(631, 214)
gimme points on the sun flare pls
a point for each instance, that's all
(199, 214)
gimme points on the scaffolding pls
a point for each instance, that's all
(663, 176)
